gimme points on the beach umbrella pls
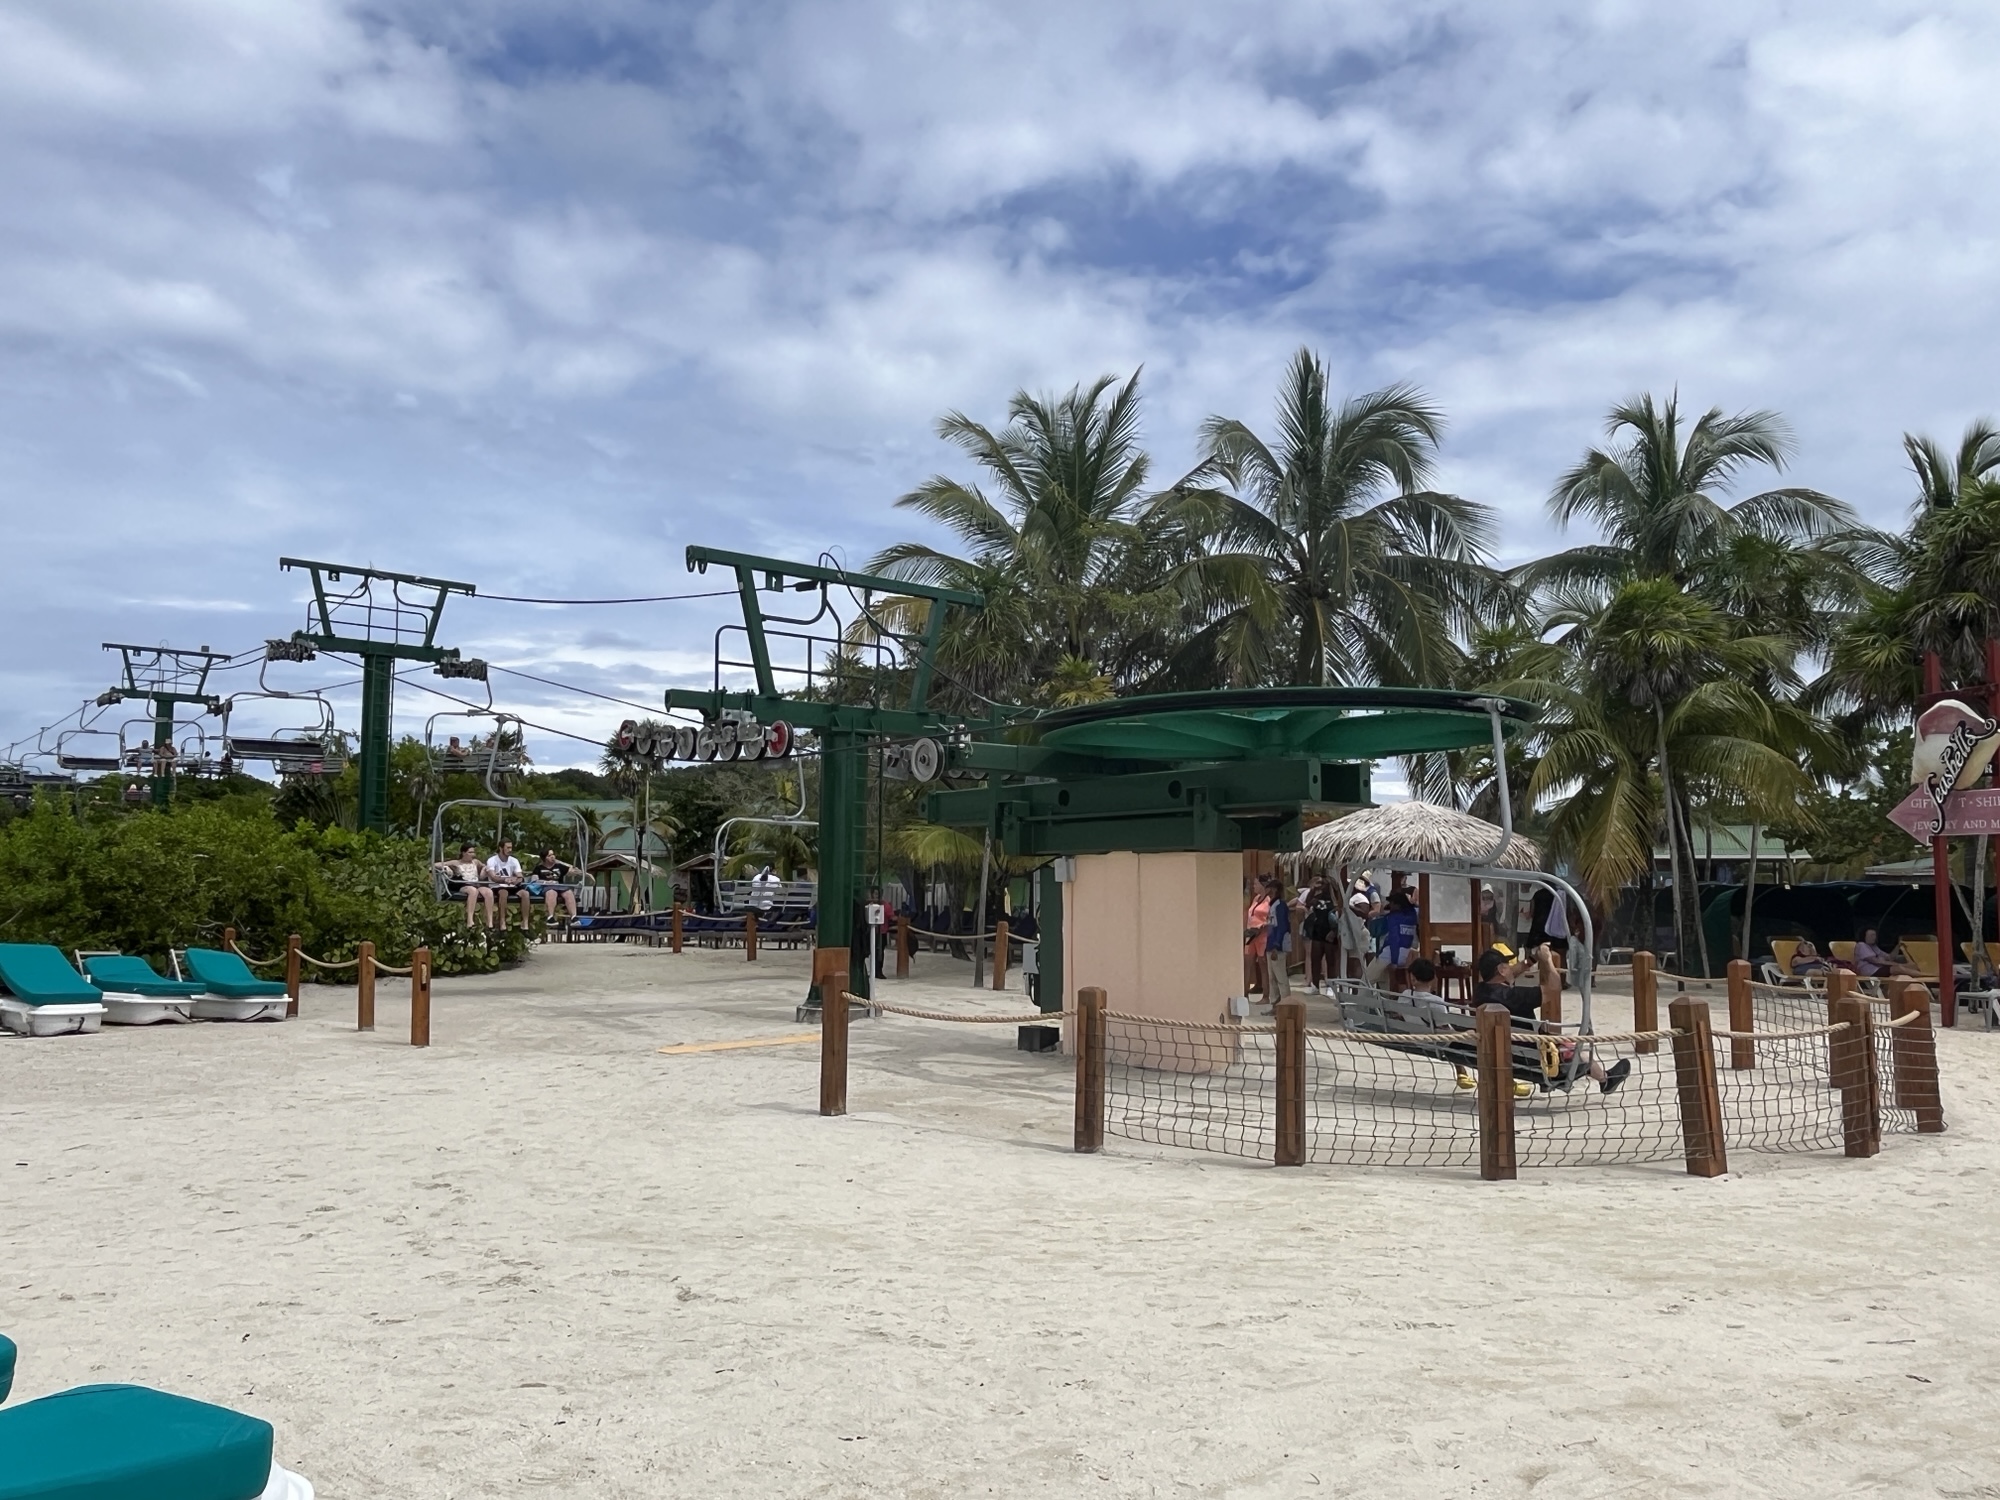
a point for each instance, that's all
(1409, 833)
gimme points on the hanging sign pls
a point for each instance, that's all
(1953, 746)
(1966, 814)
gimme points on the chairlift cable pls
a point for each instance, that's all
(569, 688)
(415, 681)
(644, 599)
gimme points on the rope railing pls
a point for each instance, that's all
(970, 937)
(967, 1017)
(322, 963)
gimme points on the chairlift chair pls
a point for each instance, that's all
(91, 750)
(316, 749)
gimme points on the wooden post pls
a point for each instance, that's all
(1701, 1097)
(1947, 979)
(364, 988)
(1645, 1000)
(1423, 916)
(1552, 992)
(1000, 941)
(675, 928)
(1852, 1056)
(1478, 928)
(750, 935)
(1090, 1059)
(1291, 1018)
(292, 975)
(229, 940)
(902, 946)
(833, 1046)
(1742, 1015)
(1840, 985)
(1496, 1093)
(1913, 1052)
(420, 998)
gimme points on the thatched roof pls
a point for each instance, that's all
(1416, 832)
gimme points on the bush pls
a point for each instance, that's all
(144, 882)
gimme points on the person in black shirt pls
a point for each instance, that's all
(1499, 969)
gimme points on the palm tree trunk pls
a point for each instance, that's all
(1750, 895)
(1673, 840)
(1700, 933)
(979, 915)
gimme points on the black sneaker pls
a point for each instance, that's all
(1617, 1073)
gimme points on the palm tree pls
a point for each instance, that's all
(1050, 546)
(1325, 557)
(632, 774)
(1691, 612)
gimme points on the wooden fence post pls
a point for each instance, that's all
(292, 975)
(1645, 1000)
(420, 998)
(1841, 984)
(676, 927)
(1090, 1061)
(1496, 1093)
(1290, 1014)
(1742, 1015)
(1913, 1051)
(1701, 1097)
(833, 1046)
(229, 940)
(1852, 1056)
(364, 987)
(902, 947)
(750, 935)
(1000, 942)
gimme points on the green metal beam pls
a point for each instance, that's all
(776, 570)
(1233, 788)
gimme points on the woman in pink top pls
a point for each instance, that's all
(1255, 921)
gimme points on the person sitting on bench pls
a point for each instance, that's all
(1499, 970)
(466, 874)
(551, 878)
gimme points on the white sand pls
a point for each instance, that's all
(542, 1259)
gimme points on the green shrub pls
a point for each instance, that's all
(144, 882)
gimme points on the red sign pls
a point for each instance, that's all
(1965, 813)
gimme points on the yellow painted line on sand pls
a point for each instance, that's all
(742, 1042)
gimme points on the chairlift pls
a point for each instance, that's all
(499, 751)
(91, 750)
(315, 749)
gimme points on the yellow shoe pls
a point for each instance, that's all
(1522, 1089)
(1467, 1081)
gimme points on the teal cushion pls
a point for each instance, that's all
(226, 974)
(40, 975)
(126, 1442)
(6, 1366)
(128, 974)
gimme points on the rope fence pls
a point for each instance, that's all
(1502, 1095)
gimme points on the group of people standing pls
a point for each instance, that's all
(1362, 933)
(489, 885)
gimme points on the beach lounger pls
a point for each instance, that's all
(230, 992)
(46, 997)
(134, 993)
(109, 1442)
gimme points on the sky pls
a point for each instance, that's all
(534, 295)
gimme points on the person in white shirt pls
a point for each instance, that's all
(503, 874)
(764, 888)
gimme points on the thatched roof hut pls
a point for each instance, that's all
(1409, 832)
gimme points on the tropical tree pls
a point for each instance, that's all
(1322, 555)
(1052, 545)
(1685, 621)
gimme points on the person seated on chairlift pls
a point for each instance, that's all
(503, 873)
(454, 750)
(552, 878)
(1871, 961)
(466, 874)
(1500, 968)
(1808, 960)
(764, 888)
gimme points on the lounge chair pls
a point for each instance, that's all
(134, 994)
(230, 992)
(100, 1442)
(46, 997)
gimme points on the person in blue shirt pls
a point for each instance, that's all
(1277, 942)
(1398, 940)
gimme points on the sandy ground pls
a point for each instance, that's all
(543, 1259)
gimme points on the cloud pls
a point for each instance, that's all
(536, 294)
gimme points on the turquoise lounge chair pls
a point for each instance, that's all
(45, 996)
(230, 992)
(114, 1442)
(135, 994)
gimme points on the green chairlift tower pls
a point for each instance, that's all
(844, 729)
(383, 618)
(166, 677)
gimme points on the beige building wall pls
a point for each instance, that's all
(1161, 935)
